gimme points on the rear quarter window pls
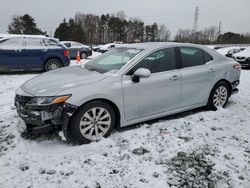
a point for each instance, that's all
(207, 57)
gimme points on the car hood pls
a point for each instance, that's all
(53, 82)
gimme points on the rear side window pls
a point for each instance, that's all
(50, 42)
(191, 56)
(76, 44)
(33, 42)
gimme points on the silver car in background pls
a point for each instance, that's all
(77, 47)
(125, 86)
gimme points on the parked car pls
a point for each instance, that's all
(106, 47)
(125, 86)
(21, 53)
(74, 47)
(95, 48)
(230, 51)
(243, 57)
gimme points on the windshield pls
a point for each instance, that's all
(112, 60)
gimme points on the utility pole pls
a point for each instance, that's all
(219, 28)
(196, 18)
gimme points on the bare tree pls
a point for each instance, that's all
(163, 33)
(211, 33)
(183, 35)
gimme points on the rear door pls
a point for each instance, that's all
(11, 54)
(197, 73)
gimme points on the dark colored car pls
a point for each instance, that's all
(21, 53)
(74, 47)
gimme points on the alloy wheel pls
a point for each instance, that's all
(83, 55)
(95, 123)
(220, 96)
(53, 65)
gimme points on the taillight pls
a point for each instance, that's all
(237, 66)
(66, 53)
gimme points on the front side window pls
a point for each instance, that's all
(159, 61)
(11, 42)
(191, 56)
(113, 60)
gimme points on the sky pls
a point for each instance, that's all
(175, 14)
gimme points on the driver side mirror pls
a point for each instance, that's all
(140, 73)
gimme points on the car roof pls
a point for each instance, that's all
(155, 45)
(69, 42)
(27, 36)
(19, 35)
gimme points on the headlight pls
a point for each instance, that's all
(44, 101)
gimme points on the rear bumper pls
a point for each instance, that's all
(41, 119)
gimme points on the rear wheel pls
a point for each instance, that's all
(219, 96)
(52, 64)
(83, 55)
(92, 122)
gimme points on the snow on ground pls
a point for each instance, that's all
(141, 156)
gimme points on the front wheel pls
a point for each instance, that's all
(219, 96)
(92, 122)
(52, 64)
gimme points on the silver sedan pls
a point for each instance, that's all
(127, 85)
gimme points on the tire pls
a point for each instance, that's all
(83, 55)
(218, 96)
(52, 64)
(86, 125)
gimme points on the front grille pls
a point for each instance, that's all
(22, 100)
(240, 58)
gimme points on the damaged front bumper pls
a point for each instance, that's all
(46, 118)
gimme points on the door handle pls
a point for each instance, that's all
(175, 77)
(211, 70)
(44, 50)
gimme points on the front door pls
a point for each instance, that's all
(11, 54)
(159, 93)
